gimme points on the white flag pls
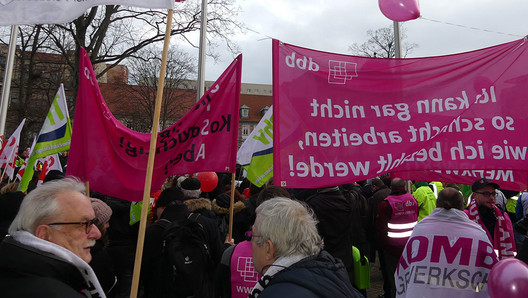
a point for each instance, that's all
(9, 152)
(54, 136)
(256, 153)
(50, 162)
(22, 169)
(31, 12)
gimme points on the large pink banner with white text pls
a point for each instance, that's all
(114, 158)
(340, 118)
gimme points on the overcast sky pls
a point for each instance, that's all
(332, 26)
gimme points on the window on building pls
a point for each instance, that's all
(15, 97)
(246, 130)
(256, 91)
(248, 90)
(244, 111)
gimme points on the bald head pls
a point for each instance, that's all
(398, 185)
(450, 197)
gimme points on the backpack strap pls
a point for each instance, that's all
(193, 216)
(164, 223)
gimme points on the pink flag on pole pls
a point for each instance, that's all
(114, 158)
(340, 118)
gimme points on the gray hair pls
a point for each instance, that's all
(191, 193)
(289, 225)
(41, 203)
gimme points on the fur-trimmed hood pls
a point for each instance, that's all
(239, 206)
(196, 204)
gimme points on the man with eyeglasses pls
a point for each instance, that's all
(495, 222)
(48, 248)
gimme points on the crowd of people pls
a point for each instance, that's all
(430, 239)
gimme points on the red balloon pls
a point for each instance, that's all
(508, 278)
(209, 180)
(400, 10)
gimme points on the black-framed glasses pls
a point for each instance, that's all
(87, 224)
(249, 235)
(487, 194)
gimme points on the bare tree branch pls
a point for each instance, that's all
(381, 44)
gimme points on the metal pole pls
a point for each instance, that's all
(397, 40)
(201, 58)
(6, 91)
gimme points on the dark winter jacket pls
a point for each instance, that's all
(203, 206)
(222, 216)
(243, 220)
(28, 272)
(103, 267)
(318, 276)
(334, 214)
(379, 195)
(152, 254)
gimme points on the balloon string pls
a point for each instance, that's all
(472, 28)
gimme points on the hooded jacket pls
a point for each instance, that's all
(334, 214)
(318, 276)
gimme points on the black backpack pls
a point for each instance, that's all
(186, 257)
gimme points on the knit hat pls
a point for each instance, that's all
(103, 212)
(180, 180)
(223, 200)
(168, 196)
(191, 183)
(53, 175)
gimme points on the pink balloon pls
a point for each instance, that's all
(400, 10)
(508, 278)
(209, 180)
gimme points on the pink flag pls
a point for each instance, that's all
(114, 158)
(340, 118)
(10, 151)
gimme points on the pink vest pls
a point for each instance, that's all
(243, 274)
(404, 218)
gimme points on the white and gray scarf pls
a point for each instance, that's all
(277, 266)
(94, 290)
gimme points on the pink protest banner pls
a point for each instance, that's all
(507, 179)
(340, 118)
(114, 158)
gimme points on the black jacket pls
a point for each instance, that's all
(152, 278)
(334, 214)
(28, 272)
(318, 276)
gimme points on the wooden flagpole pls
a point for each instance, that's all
(231, 206)
(152, 154)
(4, 172)
(87, 186)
